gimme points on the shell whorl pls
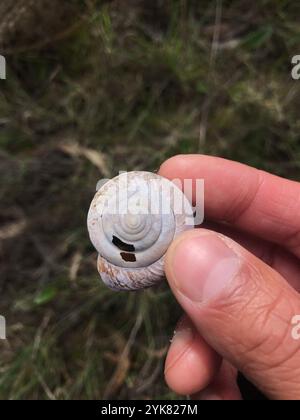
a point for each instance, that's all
(132, 221)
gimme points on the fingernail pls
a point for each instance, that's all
(182, 338)
(203, 267)
(209, 396)
(183, 332)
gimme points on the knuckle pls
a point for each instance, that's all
(269, 345)
(256, 321)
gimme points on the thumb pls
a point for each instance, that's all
(241, 306)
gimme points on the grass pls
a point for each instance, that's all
(120, 86)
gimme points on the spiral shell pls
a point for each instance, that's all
(132, 220)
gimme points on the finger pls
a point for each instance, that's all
(240, 306)
(223, 387)
(272, 254)
(255, 201)
(191, 363)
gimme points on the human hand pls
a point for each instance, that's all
(238, 283)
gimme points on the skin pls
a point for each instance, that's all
(237, 279)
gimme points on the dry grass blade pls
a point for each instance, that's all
(213, 55)
(98, 159)
(75, 265)
(13, 229)
(122, 368)
(24, 25)
(45, 387)
(148, 382)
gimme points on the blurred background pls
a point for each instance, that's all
(94, 87)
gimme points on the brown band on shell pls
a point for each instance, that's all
(128, 257)
(123, 246)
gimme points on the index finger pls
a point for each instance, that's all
(255, 201)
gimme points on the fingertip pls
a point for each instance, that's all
(175, 166)
(190, 364)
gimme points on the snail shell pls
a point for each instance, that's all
(132, 220)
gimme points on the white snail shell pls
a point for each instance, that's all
(132, 220)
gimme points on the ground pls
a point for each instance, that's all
(94, 87)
